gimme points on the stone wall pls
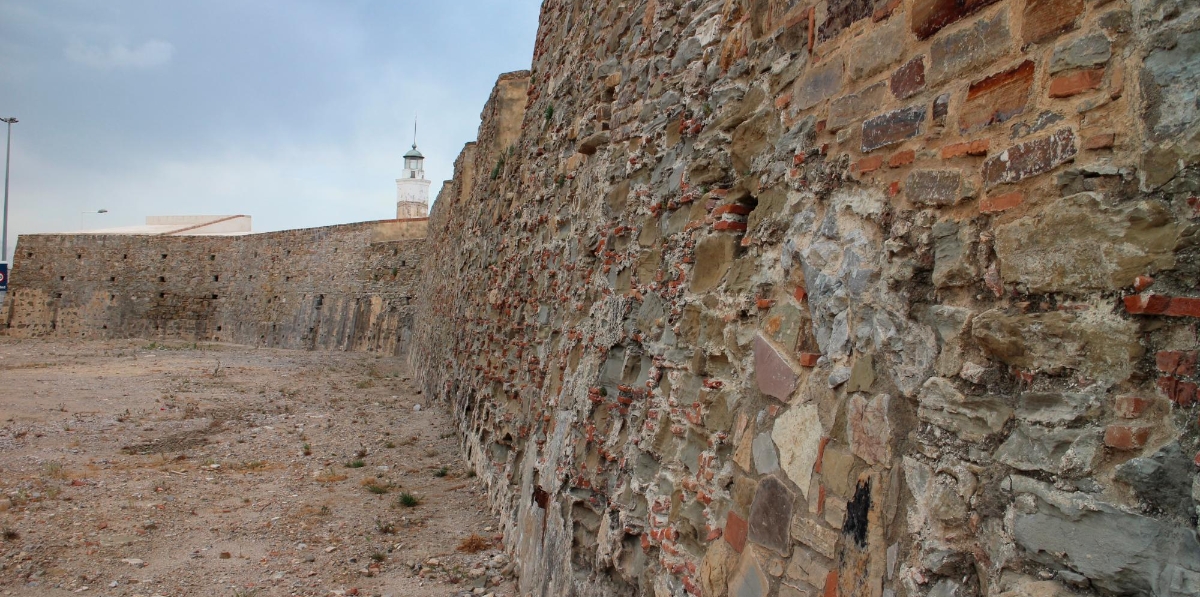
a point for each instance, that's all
(345, 287)
(849, 297)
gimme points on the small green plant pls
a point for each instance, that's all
(561, 180)
(498, 169)
(53, 470)
(549, 112)
(10, 534)
(442, 472)
(408, 500)
(385, 528)
(325, 510)
(378, 556)
(307, 450)
(390, 445)
(377, 489)
(356, 464)
(364, 384)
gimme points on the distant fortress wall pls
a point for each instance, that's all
(344, 287)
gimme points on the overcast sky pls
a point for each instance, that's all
(296, 112)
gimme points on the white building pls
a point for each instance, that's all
(184, 226)
(412, 191)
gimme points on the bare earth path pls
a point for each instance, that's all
(129, 468)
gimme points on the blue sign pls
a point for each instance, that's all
(3, 277)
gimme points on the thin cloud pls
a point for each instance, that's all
(120, 56)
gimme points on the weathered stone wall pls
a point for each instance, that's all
(345, 287)
(850, 297)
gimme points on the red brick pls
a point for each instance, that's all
(1176, 362)
(1146, 304)
(1076, 82)
(809, 359)
(1180, 392)
(727, 225)
(1126, 437)
(1183, 307)
(740, 209)
(908, 79)
(831, 584)
(902, 158)
(930, 16)
(1130, 407)
(801, 293)
(1047, 19)
(978, 147)
(764, 303)
(735, 531)
(1104, 141)
(782, 101)
(997, 98)
(1142, 282)
(996, 203)
(866, 165)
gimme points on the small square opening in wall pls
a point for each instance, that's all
(218, 328)
(162, 295)
(216, 278)
(125, 256)
(215, 297)
(164, 255)
(162, 278)
(79, 255)
(112, 278)
(62, 278)
(58, 295)
(29, 255)
(212, 257)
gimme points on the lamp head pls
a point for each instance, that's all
(9, 120)
(103, 211)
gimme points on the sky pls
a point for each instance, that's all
(295, 112)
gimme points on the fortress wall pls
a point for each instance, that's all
(345, 287)
(850, 297)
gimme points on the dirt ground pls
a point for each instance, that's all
(134, 468)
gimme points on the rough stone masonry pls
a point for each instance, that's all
(346, 287)
(787, 298)
(850, 297)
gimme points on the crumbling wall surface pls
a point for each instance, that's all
(851, 297)
(343, 287)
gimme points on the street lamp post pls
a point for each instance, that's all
(7, 151)
(83, 213)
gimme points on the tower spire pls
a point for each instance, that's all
(414, 132)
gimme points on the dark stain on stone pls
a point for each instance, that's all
(855, 525)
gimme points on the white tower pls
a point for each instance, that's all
(412, 191)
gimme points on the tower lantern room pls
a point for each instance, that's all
(414, 163)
